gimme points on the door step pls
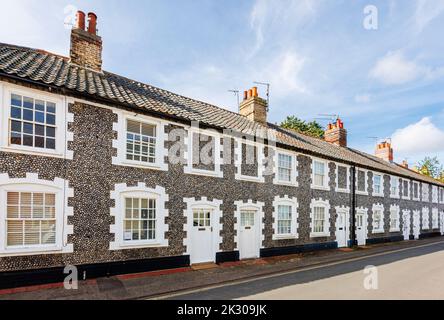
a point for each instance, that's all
(204, 266)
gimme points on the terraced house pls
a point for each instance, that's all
(115, 176)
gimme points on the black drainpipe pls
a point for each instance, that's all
(353, 207)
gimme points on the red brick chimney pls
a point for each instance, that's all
(336, 133)
(384, 151)
(253, 107)
(405, 164)
(86, 45)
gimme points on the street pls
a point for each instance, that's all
(412, 273)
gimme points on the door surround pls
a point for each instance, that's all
(259, 222)
(204, 203)
(346, 211)
(364, 212)
(409, 214)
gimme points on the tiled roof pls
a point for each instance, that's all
(54, 70)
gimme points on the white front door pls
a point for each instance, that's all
(416, 225)
(361, 228)
(249, 245)
(342, 227)
(406, 224)
(202, 249)
(441, 223)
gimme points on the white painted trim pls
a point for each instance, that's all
(408, 197)
(326, 185)
(32, 183)
(118, 212)
(364, 212)
(380, 207)
(435, 218)
(425, 218)
(188, 169)
(395, 208)
(364, 193)
(294, 170)
(63, 117)
(216, 206)
(397, 196)
(435, 194)
(238, 160)
(418, 198)
(326, 205)
(347, 190)
(286, 201)
(343, 210)
(259, 220)
(120, 143)
(380, 194)
(425, 192)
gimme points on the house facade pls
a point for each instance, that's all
(115, 176)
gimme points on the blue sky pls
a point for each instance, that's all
(317, 55)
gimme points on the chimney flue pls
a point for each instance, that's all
(336, 134)
(86, 45)
(92, 23)
(80, 20)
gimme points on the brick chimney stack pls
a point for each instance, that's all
(253, 107)
(384, 151)
(405, 164)
(86, 45)
(336, 134)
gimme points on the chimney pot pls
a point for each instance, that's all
(250, 93)
(336, 134)
(245, 95)
(80, 20)
(92, 23)
(255, 94)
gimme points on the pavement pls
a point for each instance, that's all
(235, 280)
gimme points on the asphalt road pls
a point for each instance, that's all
(411, 273)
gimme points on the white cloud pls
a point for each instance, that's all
(394, 69)
(427, 11)
(421, 138)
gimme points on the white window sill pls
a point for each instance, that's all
(378, 232)
(128, 246)
(249, 178)
(286, 183)
(33, 151)
(380, 195)
(395, 230)
(27, 251)
(206, 173)
(321, 188)
(285, 237)
(142, 165)
(416, 199)
(406, 198)
(319, 235)
(394, 197)
(343, 190)
(362, 193)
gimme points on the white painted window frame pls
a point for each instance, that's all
(346, 190)
(315, 203)
(238, 160)
(122, 191)
(425, 218)
(425, 192)
(364, 193)
(392, 196)
(189, 169)
(286, 201)
(408, 197)
(435, 194)
(120, 144)
(394, 209)
(378, 207)
(435, 218)
(381, 193)
(326, 180)
(418, 198)
(441, 195)
(63, 117)
(33, 184)
(294, 169)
